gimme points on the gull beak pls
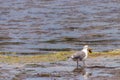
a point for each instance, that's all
(89, 50)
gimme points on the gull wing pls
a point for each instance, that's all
(78, 55)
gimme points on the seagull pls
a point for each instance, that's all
(81, 55)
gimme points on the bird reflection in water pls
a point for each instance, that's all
(82, 71)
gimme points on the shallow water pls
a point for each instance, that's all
(98, 68)
(54, 25)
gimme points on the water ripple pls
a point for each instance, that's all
(54, 25)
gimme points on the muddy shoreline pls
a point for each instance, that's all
(98, 68)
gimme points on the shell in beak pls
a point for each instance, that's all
(89, 50)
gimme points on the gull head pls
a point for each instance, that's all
(87, 48)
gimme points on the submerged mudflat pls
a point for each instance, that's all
(98, 68)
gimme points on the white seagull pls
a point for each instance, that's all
(81, 55)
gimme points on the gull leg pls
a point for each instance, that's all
(84, 63)
(77, 63)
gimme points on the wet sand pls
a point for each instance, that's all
(98, 68)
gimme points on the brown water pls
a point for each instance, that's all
(53, 25)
